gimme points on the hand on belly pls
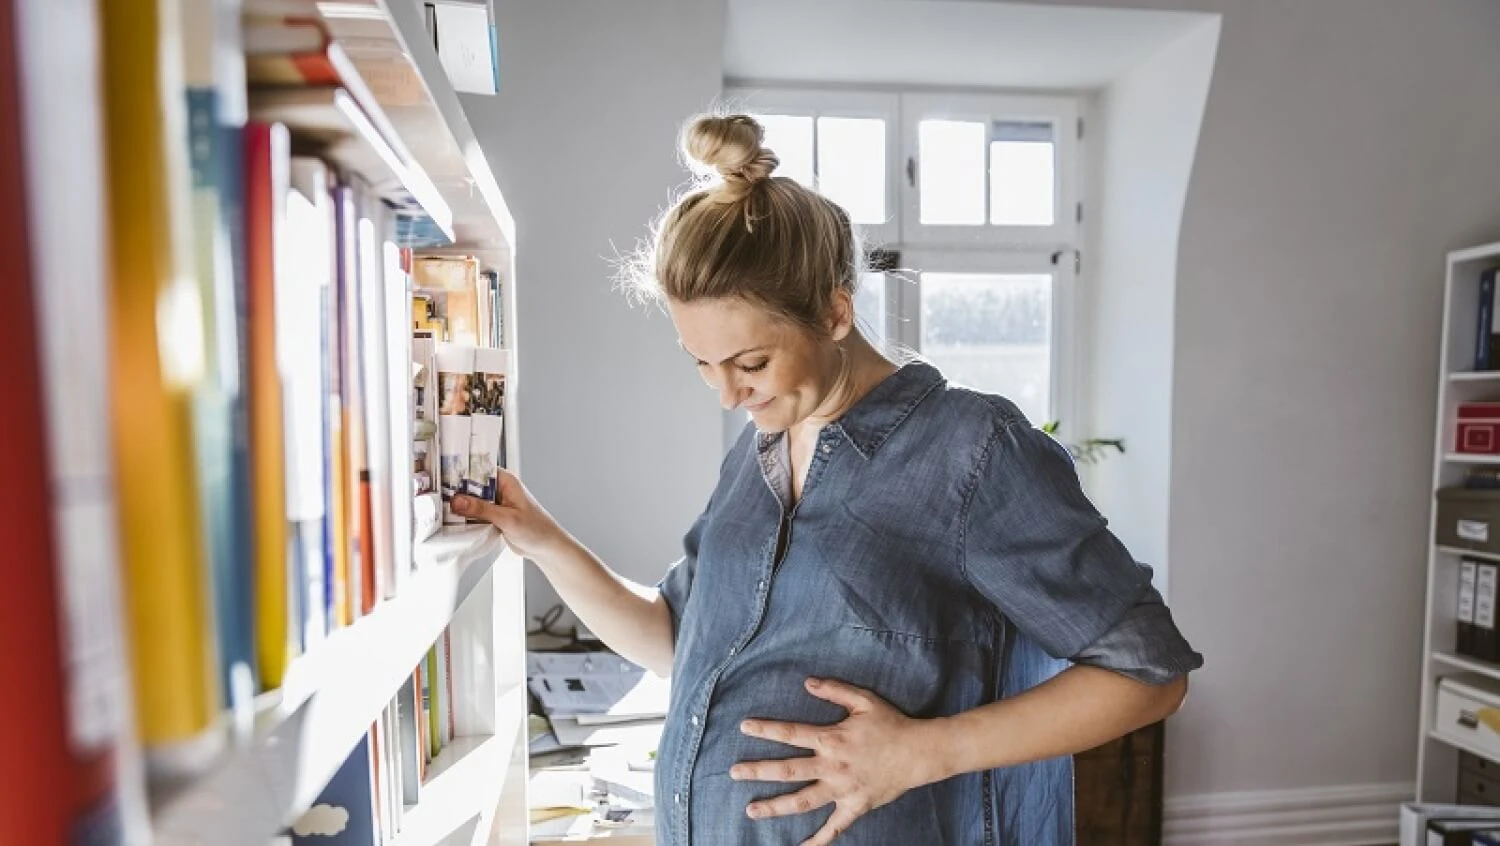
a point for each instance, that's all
(868, 760)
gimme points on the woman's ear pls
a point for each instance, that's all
(841, 314)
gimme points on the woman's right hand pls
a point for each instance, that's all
(527, 526)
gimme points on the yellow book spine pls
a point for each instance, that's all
(157, 345)
(267, 175)
(343, 608)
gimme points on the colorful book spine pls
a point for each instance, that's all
(352, 407)
(156, 335)
(59, 624)
(1484, 327)
(267, 178)
(211, 52)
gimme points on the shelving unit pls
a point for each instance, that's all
(462, 579)
(1437, 756)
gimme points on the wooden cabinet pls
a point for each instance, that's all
(1118, 790)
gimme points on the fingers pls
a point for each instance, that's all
(854, 699)
(809, 798)
(842, 818)
(791, 769)
(469, 506)
(791, 734)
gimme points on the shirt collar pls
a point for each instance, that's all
(880, 412)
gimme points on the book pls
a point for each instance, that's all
(60, 628)
(375, 358)
(453, 285)
(309, 216)
(214, 94)
(1484, 325)
(267, 182)
(156, 353)
(344, 812)
(398, 348)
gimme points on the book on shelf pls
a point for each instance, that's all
(156, 336)
(60, 625)
(215, 101)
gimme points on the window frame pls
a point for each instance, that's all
(839, 104)
(988, 248)
(1063, 111)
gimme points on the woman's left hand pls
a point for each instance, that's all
(868, 760)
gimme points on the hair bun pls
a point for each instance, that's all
(731, 145)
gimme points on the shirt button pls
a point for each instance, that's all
(695, 719)
(827, 448)
(732, 650)
(677, 797)
(760, 585)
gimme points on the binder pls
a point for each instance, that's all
(1485, 645)
(1468, 575)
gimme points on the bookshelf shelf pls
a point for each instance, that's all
(465, 782)
(1467, 553)
(388, 42)
(1467, 664)
(330, 697)
(1470, 458)
(1459, 744)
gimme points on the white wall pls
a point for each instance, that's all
(621, 440)
(1346, 145)
(1146, 125)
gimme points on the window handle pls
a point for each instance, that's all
(911, 171)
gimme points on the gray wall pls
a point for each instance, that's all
(621, 439)
(1147, 132)
(1346, 146)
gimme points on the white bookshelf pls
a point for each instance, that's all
(1437, 754)
(466, 579)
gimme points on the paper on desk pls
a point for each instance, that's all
(643, 734)
(559, 789)
(609, 694)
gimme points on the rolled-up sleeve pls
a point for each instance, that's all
(677, 585)
(1035, 547)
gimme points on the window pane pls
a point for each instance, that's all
(851, 165)
(869, 308)
(952, 178)
(1022, 174)
(790, 137)
(992, 332)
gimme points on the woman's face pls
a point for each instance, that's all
(771, 367)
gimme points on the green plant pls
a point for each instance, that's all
(1090, 450)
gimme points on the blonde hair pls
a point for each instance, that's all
(745, 233)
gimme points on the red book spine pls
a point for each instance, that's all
(35, 798)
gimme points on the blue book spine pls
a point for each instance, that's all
(344, 813)
(220, 425)
(1482, 341)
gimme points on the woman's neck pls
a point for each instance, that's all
(861, 368)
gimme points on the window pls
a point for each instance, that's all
(975, 199)
(990, 171)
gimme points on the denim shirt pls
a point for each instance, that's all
(942, 556)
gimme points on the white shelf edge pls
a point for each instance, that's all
(1460, 743)
(407, 18)
(1470, 458)
(465, 780)
(1473, 665)
(1477, 253)
(330, 697)
(1458, 550)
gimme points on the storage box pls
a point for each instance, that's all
(1468, 710)
(1478, 428)
(1468, 518)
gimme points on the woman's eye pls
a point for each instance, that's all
(755, 368)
